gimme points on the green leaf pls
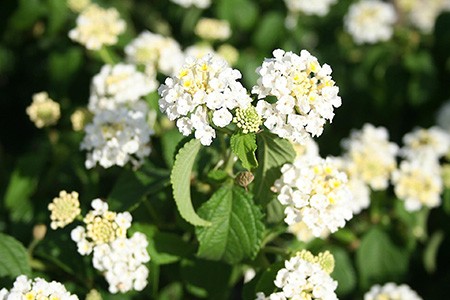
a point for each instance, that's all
(273, 152)
(181, 182)
(379, 260)
(13, 257)
(431, 251)
(244, 146)
(240, 13)
(236, 230)
(344, 272)
(163, 248)
(269, 31)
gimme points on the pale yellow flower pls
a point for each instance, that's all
(64, 209)
(43, 111)
(213, 29)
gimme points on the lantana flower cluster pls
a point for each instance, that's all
(422, 14)
(37, 288)
(202, 96)
(305, 95)
(315, 193)
(305, 277)
(418, 181)
(391, 290)
(121, 259)
(370, 156)
(370, 21)
(64, 209)
(318, 7)
(43, 111)
(97, 27)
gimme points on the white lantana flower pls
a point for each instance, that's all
(213, 29)
(97, 27)
(116, 137)
(392, 291)
(433, 142)
(102, 227)
(155, 51)
(418, 183)
(119, 85)
(203, 95)
(304, 277)
(370, 21)
(123, 263)
(36, 288)
(306, 95)
(188, 3)
(422, 14)
(308, 7)
(315, 193)
(370, 156)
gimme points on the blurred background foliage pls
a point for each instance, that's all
(398, 84)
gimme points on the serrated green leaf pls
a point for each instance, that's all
(379, 260)
(273, 152)
(244, 146)
(236, 230)
(13, 257)
(181, 182)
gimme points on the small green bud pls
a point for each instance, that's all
(248, 119)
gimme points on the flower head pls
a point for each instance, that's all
(433, 142)
(79, 118)
(314, 192)
(36, 288)
(78, 5)
(317, 7)
(64, 209)
(102, 227)
(247, 119)
(391, 291)
(119, 85)
(304, 277)
(97, 27)
(370, 21)
(213, 29)
(203, 95)
(43, 111)
(305, 95)
(422, 14)
(116, 137)
(370, 156)
(418, 182)
(155, 51)
(123, 263)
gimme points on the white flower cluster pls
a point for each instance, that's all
(422, 14)
(302, 279)
(116, 137)
(37, 288)
(370, 156)
(122, 262)
(203, 95)
(155, 52)
(102, 226)
(359, 189)
(119, 85)
(418, 180)
(370, 21)
(306, 95)
(391, 291)
(97, 27)
(213, 29)
(317, 7)
(189, 3)
(315, 193)
(120, 259)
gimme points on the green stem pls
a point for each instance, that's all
(154, 269)
(106, 56)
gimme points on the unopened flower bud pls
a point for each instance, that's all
(39, 232)
(245, 178)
